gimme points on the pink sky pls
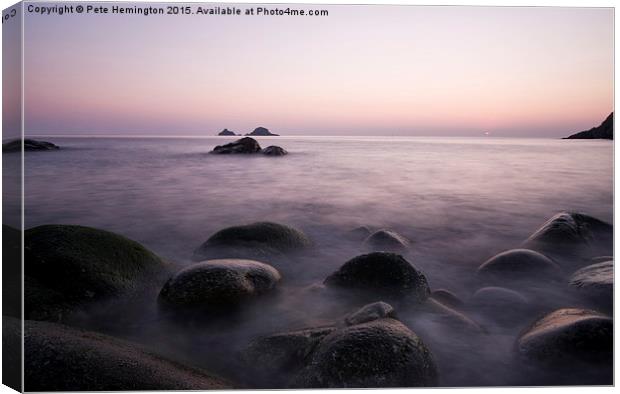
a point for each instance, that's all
(368, 70)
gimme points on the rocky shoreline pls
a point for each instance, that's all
(72, 269)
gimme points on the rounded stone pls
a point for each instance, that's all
(380, 353)
(383, 274)
(386, 240)
(596, 283)
(59, 358)
(243, 145)
(447, 298)
(79, 264)
(218, 283)
(274, 150)
(519, 264)
(259, 240)
(566, 336)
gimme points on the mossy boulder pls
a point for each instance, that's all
(568, 337)
(218, 284)
(519, 265)
(386, 240)
(382, 274)
(379, 353)
(60, 358)
(262, 240)
(70, 266)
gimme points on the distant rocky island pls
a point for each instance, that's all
(604, 131)
(259, 131)
(262, 131)
(226, 132)
(29, 145)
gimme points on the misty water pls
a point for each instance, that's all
(460, 201)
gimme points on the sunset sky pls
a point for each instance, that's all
(367, 70)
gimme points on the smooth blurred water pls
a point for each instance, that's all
(459, 200)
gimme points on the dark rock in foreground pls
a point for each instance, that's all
(568, 338)
(371, 349)
(382, 274)
(386, 240)
(11, 271)
(226, 132)
(29, 145)
(262, 131)
(70, 266)
(596, 283)
(244, 145)
(572, 234)
(59, 358)
(604, 131)
(519, 265)
(217, 284)
(256, 240)
(274, 151)
(379, 353)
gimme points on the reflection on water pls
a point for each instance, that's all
(459, 200)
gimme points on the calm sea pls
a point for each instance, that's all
(459, 200)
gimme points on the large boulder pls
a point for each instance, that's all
(381, 274)
(243, 145)
(596, 283)
(274, 151)
(572, 234)
(59, 358)
(29, 145)
(387, 240)
(519, 265)
(218, 284)
(567, 338)
(71, 266)
(379, 353)
(261, 240)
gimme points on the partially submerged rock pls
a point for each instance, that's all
(519, 265)
(568, 336)
(217, 284)
(371, 349)
(502, 305)
(29, 145)
(244, 145)
(67, 267)
(596, 283)
(370, 312)
(382, 274)
(359, 233)
(379, 353)
(261, 240)
(59, 358)
(451, 317)
(274, 359)
(274, 151)
(572, 234)
(386, 240)
(447, 298)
